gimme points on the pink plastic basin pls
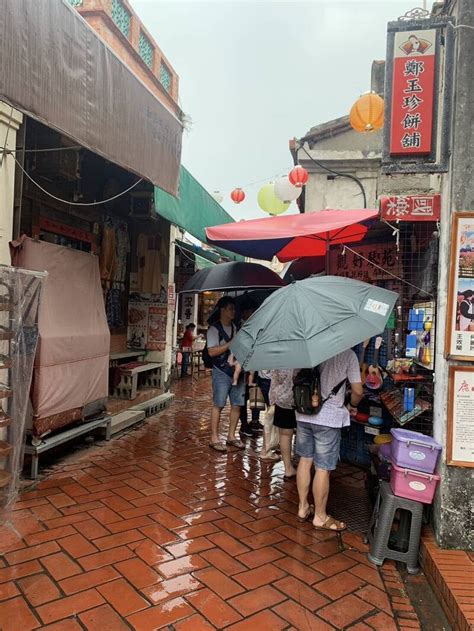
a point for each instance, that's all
(413, 485)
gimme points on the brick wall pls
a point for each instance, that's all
(98, 14)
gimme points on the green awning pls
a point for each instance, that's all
(203, 258)
(193, 210)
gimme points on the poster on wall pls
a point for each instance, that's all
(147, 318)
(156, 328)
(367, 262)
(414, 67)
(137, 333)
(460, 330)
(461, 416)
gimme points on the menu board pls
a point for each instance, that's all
(460, 334)
(461, 416)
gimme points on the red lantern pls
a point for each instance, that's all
(298, 176)
(237, 195)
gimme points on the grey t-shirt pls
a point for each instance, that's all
(213, 335)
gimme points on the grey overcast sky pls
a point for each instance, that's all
(255, 73)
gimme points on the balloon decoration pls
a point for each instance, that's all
(367, 113)
(285, 191)
(298, 176)
(269, 202)
(237, 195)
(217, 195)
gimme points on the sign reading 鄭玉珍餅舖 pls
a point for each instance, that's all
(414, 67)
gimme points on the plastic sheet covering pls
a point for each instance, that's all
(72, 361)
(56, 69)
(20, 295)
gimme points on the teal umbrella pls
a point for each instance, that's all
(309, 321)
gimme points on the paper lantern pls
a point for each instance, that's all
(298, 176)
(285, 191)
(367, 113)
(217, 195)
(269, 202)
(237, 195)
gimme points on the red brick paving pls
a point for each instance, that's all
(153, 529)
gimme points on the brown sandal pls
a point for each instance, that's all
(238, 444)
(217, 447)
(330, 521)
(308, 515)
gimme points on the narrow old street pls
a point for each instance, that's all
(153, 530)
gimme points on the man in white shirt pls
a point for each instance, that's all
(219, 336)
(318, 437)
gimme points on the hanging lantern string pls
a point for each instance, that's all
(385, 271)
(282, 173)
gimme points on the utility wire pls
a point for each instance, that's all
(338, 173)
(66, 201)
(71, 148)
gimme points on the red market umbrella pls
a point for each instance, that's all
(289, 237)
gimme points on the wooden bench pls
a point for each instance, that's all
(115, 358)
(134, 376)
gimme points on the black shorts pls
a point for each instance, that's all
(285, 419)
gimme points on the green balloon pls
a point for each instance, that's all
(269, 202)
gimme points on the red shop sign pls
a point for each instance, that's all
(414, 65)
(410, 207)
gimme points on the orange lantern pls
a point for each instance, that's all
(298, 176)
(237, 195)
(367, 113)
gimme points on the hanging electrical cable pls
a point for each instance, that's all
(70, 203)
(337, 173)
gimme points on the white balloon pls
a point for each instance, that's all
(217, 195)
(285, 191)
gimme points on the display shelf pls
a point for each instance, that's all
(6, 334)
(5, 449)
(5, 478)
(393, 402)
(5, 391)
(5, 420)
(404, 378)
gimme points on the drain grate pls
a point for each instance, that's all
(351, 505)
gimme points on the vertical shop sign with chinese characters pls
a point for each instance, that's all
(414, 67)
(410, 207)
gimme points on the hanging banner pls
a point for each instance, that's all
(461, 416)
(367, 263)
(460, 333)
(410, 207)
(414, 66)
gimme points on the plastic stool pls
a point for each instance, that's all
(402, 544)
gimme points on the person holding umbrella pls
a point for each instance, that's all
(318, 436)
(219, 336)
(315, 323)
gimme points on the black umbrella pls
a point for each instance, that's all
(234, 276)
(302, 268)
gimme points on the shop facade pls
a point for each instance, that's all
(78, 201)
(419, 196)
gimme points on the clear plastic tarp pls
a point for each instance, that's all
(20, 295)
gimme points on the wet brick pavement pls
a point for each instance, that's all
(155, 531)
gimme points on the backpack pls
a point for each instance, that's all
(306, 386)
(207, 360)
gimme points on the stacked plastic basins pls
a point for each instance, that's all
(414, 458)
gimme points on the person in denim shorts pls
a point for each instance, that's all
(318, 437)
(219, 336)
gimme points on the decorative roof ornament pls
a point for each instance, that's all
(415, 14)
